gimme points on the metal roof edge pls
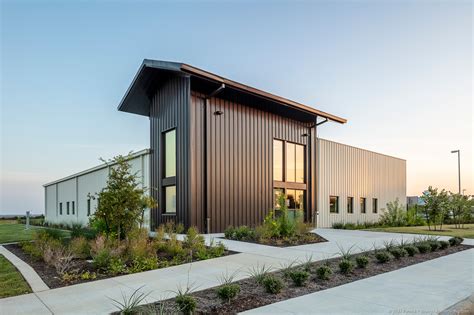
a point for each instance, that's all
(351, 146)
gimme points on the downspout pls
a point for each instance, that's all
(316, 169)
(206, 104)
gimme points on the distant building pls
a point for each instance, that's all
(414, 200)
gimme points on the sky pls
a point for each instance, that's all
(399, 71)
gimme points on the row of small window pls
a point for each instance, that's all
(73, 208)
(334, 204)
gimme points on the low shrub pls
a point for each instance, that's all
(299, 277)
(258, 273)
(78, 230)
(69, 277)
(272, 284)
(101, 259)
(80, 247)
(346, 266)
(241, 233)
(423, 247)
(86, 275)
(227, 292)
(116, 266)
(49, 233)
(338, 225)
(382, 256)
(398, 252)
(32, 249)
(324, 272)
(443, 244)
(455, 241)
(140, 264)
(411, 250)
(434, 245)
(362, 261)
(186, 303)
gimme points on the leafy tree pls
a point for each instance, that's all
(460, 207)
(121, 204)
(435, 207)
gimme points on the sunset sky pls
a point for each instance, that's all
(399, 71)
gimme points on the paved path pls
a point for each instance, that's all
(30, 275)
(95, 297)
(425, 288)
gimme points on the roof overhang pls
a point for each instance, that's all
(138, 97)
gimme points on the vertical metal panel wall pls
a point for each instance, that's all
(347, 171)
(239, 161)
(170, 109)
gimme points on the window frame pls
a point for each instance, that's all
(60, 208)
(336, 203)
(88, 206)
(375, 206)
(67, 207)
(363, 201)
(350, 205)
(73, 207)
(171, 180)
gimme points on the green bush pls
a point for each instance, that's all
(299, 277)
(32, 249)
(338, 225)
(49, 233)
(444, 244)
(272, 284)
(434, 245)
(101, 259)
(78, 230)
(186, 303)
(241, 233)
(80, 247)
(382, 256)
(411, 250)
(346, 266)
(398, 252)
(362, 261)
(423, 247)
(116, 266)
(324, 272)
(395, 214)
(455, 241)
(140, 264)
(227, 292)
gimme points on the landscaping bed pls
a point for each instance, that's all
(303, 239)
(62, 262)
(263, 287)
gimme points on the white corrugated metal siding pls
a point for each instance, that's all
(346, 171)
(77, 188)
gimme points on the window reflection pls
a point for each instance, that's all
(170, 153)
(278, 160)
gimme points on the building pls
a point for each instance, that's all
(220, 153)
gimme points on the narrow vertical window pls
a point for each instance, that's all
(67, 208)
(374, 205)
(290, 162)
(170, 199)
(278, 160)
(61, 208)
(73, 207)
(277, 192)
(299, 163)
(333, 204)
(350, 204)
(170, 153)
(88, 207)
(363, 206)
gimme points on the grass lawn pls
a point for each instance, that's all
(10, 231)
(448, 230)
(11, 280)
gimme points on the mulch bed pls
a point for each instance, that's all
(253, 295)
(310, 238)
(49, 275)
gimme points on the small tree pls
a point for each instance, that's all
(395, 215)
(122, 202)
(460, 207)
(435, 206)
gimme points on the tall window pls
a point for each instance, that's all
(278, 160)
(333, 204)
(169, 180)
(350, 204)
(88, 207)
(67, 208)
(295, 199)
(375, 205)
(294, 163)
(363, 205)
(73, 207)
(61, 208)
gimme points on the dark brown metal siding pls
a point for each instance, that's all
(170, 109)
(239, 161)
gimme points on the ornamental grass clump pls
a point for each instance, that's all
(299, 277)
(382, 256)
(258, 273)
(227, 289)
(362, 261)
(324, 272)
(272, 284)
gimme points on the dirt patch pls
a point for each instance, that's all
(49, 275)
(309, 238)
(253, 295)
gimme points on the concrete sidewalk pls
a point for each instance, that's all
(95, 297)
(425, 288)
